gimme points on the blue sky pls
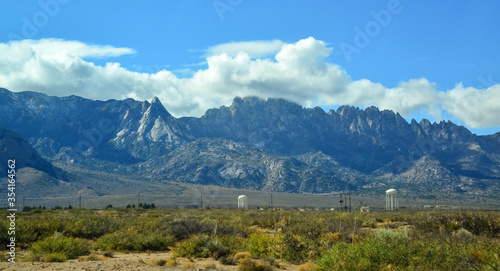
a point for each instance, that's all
(407, 56)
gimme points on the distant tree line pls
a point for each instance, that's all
(142, 205)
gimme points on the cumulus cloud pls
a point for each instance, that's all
(295, 71)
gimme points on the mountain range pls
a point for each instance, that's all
(272, 145)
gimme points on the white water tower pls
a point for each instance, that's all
(391, 199)
(242, 202)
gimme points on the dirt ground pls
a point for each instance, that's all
(130, 261)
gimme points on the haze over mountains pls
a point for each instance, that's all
(272, 145)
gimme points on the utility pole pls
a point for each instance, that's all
(350, 207)
(345, 201)
(271, 200)
(201, 201)
(80, 201)
(138, 199)
(23, 202)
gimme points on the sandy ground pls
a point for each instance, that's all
(130, 261)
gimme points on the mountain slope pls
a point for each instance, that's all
(14, 147)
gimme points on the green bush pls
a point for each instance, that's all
(37, 227)
(132, 240)
(248, 264)
(293, 248)
(59, 248)
(234, 243)
(260, 245)
(216, 249)
(397, 251)
(193, 247)
(201, 246)
(184, 228)
(91, 227)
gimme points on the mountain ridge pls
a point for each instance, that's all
(281, 145)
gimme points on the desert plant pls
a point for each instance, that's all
(156, 262)
(309, 266)
(242, 255)
(247, 264)
(193, 247)
(131, 240)
(228, 260)
(92, 257)
(91, 227)
(201, 246)
(189, 265)
(172, 261)
(59, 248)
(293, 248)
(260, 245)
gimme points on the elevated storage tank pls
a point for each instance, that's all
(391, 199)
(242, 202)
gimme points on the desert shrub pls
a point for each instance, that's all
(327, 239)
(59, 248)
(262, 219)
(201, 246)
(227, 260)
(189, 265)
(36, 227)
(242, 255)
(185, 228)
(400, 252)
(108, 254)
(233, 243)
(4, 232)
(90, 228)
(156, 262)
(310, 228)
(260, 245)
(216, 249)
(309, 266)
(247, 264)
(293, 248)
(132, 240)
(92, 257)
(209, 266)
(192, 247)
(391, 236)
(479, 224)
(51, 257)
(172, 261)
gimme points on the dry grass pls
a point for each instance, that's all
(242, 255)
(189, 265)
(93, 257)
(156, 262)
(309, 266)
(172, 261)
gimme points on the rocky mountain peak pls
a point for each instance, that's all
(157, 108)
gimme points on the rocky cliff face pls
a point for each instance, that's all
(265, 144)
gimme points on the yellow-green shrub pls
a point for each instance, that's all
(260, 245)
(59, 248)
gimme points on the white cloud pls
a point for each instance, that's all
(297, 72)
(478, 108)
(256, 49)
